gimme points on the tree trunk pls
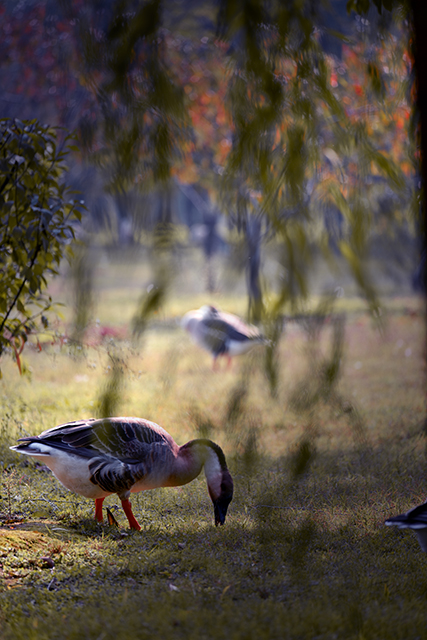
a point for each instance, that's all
(419, 30)
(253, 240)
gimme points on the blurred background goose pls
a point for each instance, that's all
(221, 333)
(96, 458)
(415, 519)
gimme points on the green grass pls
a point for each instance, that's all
(301, 555)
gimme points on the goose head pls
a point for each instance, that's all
(219, 480)
(207, 454)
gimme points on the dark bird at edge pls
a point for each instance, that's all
(415, 519)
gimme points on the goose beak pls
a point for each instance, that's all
(219, 515)
(220, 509)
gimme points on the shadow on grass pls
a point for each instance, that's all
(305, 557)
(268, 579)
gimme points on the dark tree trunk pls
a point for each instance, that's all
(419, 29)
(253, 240)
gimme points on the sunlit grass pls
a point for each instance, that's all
(119, 281)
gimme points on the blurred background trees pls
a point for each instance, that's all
(249, 128)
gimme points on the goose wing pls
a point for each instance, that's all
(126, 439)
(231, 330)
(120, 451)
(217, 334)
(247, 331)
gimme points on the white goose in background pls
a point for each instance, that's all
(96, 458)
(221, 333)
(415, 519)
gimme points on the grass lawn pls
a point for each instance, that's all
(302, 555)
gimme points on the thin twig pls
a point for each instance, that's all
(20, 288)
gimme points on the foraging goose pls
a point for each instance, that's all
(125, 455)
(221, 333)
(415, 519)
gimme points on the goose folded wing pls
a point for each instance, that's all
(218, 331)
(67, 427)
(250, 331)
(121, 438)
(118, 475)
(130, 442)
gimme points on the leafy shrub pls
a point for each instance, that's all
(37, 216)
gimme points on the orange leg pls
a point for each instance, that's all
(216, 360)
(127, 508)
(98, 509)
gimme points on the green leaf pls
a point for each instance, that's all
(20, 306)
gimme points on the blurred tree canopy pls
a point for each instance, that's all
(295, 117)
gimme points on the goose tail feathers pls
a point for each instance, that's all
(32, 448)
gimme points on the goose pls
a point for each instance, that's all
(415, 519)
(220, 333)
(98, 457)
